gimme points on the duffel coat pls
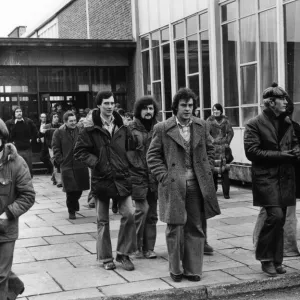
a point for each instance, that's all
(273, 177)
(105, 155)
(16, 192)
(166, 160)
(74, 175)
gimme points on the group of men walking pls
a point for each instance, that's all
(170, 161)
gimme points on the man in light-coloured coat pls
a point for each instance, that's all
(181, 157)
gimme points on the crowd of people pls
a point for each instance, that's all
(140, 164)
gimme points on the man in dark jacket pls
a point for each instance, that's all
(102, 147)
(75, 176)
(181, 157)
(144, 185)
(21, 132)
(271, 145)
(16, 197)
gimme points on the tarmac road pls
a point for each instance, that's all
(284, 294)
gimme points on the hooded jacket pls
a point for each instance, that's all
(16, 192)
(105, 155)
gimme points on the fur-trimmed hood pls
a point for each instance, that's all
(10, 153)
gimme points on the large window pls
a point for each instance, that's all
(249, 48)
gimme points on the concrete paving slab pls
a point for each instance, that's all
(85, 278)
(49, 223)
(22, 255)
(135, 287)
(38, 232)
(90, 246)
(240, 220)
(62, 239)
(217, 234)
(239, 212)
(77, 228)
(39, 283)
(243, 256)
(244, 242)
(239, 230)
(70, 295)
(42, 266)
(24, 243)
(57, 251)
(84, 261)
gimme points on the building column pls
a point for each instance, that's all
(87, 19)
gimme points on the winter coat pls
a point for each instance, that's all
(141, 177)
(105, 155)
(166, 160)
(33, 132)
(49, 130)
(75, 176)
(221, 133)
(16, 192)
(273, 177)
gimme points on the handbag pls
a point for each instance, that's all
(228, 155)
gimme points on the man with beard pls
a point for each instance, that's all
(75, 176)
(181, 157)
(103, 148)
(144, 185)
(21, 132)
(16, 197)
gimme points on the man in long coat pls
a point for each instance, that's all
(271, 145)
(181, 158)
(74, 175)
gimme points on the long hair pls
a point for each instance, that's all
(142, 103)
(183, 94)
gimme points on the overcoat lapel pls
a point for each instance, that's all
(268, 123)
(197, 133)
(173, 131)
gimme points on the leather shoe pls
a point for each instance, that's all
(72, 216)
(280, 269)
(192, 277)
(176, 278)
(269, 268)
(208, 250)
(125, 261)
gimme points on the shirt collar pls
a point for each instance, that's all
(16, 120)
(104, 122)
(187, 125)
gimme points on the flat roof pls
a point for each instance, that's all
(65, 43)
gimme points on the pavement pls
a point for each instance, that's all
(56, 257)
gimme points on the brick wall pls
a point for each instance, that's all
(110, 19)
(72, 21)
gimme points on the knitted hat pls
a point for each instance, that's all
(275, 91)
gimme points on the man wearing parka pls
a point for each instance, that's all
(144, 185)
(272, 147)
(16, 197)
(102, 147)
(181, 157)
(74, 175)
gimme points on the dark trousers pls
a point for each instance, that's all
(73, 201)
(225, 182)
(270, 240)
(145, 221)
(27, 155)
(186, 242)
(10, 284)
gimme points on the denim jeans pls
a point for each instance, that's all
(72, 201)
(127, 236)
(27, 155)
(10, 284)
(186, 242)
(145, 221)
(270, 240)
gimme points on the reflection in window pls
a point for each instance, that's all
(192, 25)
(248, 113)
(180, 63)
(248, 39)
(157, 94)
(165, 35)
(146, 73)
(193, 53)
(292, 44)
(155, 39)
(205, 69)
(194, 86)
(249, 84)
(145, 42)
(230, 66)
(233, 115)
(156, 63)
(268, 48)
(179, 30)
(247, 7)
(167, 76)
(262, 4)
(203, 19)
(229, 11)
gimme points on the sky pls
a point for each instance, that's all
(26, 13)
